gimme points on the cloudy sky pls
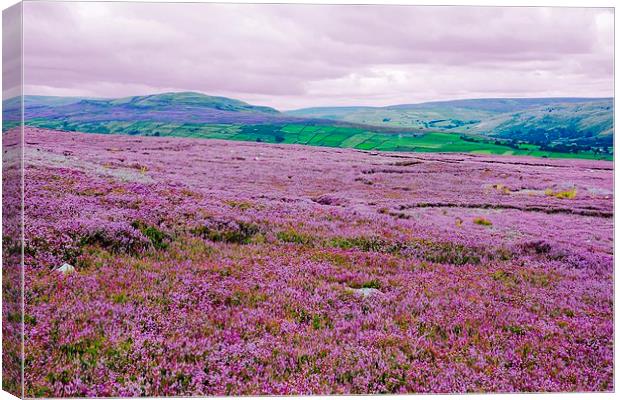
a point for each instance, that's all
(292, 56)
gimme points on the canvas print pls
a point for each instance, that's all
(280, 199)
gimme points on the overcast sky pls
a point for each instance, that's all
(292, 56)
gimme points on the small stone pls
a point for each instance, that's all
(366, 292)
(65, 268)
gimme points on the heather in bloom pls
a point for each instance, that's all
(219, 199)
(206, 267)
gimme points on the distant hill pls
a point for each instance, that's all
(582, 124)
(12, 106)
(155, 101)
(337, 113)
(498, 105)
(554, 123)
(185, 100)
(142, 115)
(558, 127)
(165, 107)
(31, 101)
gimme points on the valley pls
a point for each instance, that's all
(556, 128)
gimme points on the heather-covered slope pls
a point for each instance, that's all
(220, 267)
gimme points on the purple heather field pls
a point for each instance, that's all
(209, 267)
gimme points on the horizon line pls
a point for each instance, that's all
(444, 100)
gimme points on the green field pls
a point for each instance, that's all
(539, 127)
(559, 124)
(315, 135)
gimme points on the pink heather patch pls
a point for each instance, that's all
(206, 267)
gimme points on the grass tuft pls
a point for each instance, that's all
(482, 221)
(565, 194)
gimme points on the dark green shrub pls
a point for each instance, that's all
(292, 236)
(228, 232)
(158, 239)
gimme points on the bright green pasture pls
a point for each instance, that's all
(314, 135)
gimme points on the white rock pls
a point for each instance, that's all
(366, 292)
(65, 268)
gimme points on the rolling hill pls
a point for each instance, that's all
(184, 100)
(183, 108)
(538, 127)
(165, 107)
(566, 124)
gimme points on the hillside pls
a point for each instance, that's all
(138, 114)
(31, 101)
(562, 128)
(580, 123)
(329, 270)
(499, 105)
(337, 113)
(557, 123)
(185, 100)
(165, 107)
